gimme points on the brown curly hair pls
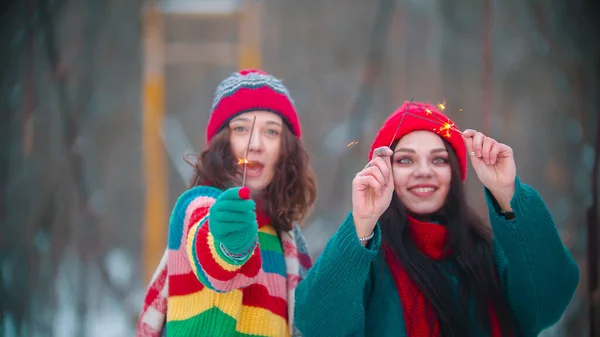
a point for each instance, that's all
(292, 191)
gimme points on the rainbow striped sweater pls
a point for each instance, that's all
(211, 292)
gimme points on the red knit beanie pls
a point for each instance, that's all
(422, 116)
(250, 90)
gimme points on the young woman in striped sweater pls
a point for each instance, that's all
(235, 255)
(412, 259)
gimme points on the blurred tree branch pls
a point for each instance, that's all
(64, 182)
(86, 222)
(579, 74)
(372, 70)
(21, 253)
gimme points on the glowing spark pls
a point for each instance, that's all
(446, 126)
(429, 112)
(438, 120)
(352, 143)
(242, 161)
(445, 129)
(442, 105)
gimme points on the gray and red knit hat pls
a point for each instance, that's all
(251, 90)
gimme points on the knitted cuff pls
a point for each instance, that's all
(239, 257)
(494, 208)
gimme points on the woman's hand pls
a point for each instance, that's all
(372, 190)
(494, 165)
(232, 220)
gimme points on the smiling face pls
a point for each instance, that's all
(422, 172)
(264, 149)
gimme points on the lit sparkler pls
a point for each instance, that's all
(446, 126)
(244, 160)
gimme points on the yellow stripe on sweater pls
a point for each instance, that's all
(187, 306)
(250, 316)
(268, 230)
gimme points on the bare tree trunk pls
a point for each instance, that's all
(84, 226)
(594, 240)
(372, 71)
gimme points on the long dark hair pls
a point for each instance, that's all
(292, 191)
(470, 241)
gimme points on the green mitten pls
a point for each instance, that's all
(232, 220)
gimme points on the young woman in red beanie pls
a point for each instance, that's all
(412, 259)
(235, 255)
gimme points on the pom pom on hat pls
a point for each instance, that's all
(422, 116)
(250, 71)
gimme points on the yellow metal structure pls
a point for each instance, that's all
(156, 54)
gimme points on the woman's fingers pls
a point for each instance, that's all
(496, 148)
(375, 172)
(486, 147)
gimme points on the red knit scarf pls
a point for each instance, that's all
(430, 239)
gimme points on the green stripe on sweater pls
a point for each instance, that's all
(269, 242)
(214, 322)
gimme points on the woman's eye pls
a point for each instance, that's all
(239, 128)
(272, 132)
(404, 160)
(440, 160)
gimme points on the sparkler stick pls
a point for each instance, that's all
(400, 123)
(444, 130)
(247, 150)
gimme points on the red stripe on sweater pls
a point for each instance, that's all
(184, 284)
(257, 295)
(212, 267)
(197, 215)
